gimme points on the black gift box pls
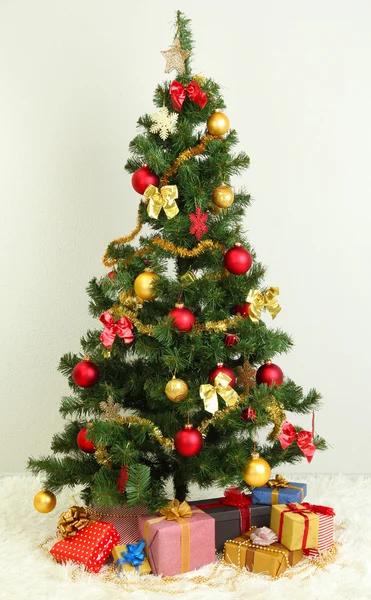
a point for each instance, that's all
(228, 520)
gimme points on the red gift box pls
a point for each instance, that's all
(90, 547)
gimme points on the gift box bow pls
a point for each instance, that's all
(134, 555)
(158, 198)
(321, 510)
(72, 521)
(233, 497)
(221, 386)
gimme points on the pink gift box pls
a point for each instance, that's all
(164, 543)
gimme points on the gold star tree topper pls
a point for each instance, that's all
(175, 57)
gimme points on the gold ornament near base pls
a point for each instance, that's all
(143, 285)
(256, 471)
(223, 196)
(218, 123)
(44, 501)
(176, 389)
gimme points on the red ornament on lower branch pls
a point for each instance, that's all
(112, 275)
(83, 443)
(142, 178)
(221, 368)
(231, 340)
(85, 373)
(188, 441)
(269, 374)
(183, 318)
(237, 260)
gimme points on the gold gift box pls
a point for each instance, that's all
(144, 568)
(293, 527)
(272, 560)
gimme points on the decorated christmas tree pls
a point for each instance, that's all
(177, 379)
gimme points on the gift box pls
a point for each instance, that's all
(234, 514)
(325, 529)
(272, 560)
(181, 540)
(123, 518)
(131, 557)
(91, 546)
(279, 491)
(295, 526)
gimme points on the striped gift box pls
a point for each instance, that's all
(124, 519)
(325, 531)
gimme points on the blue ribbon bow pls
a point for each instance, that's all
(134, 555)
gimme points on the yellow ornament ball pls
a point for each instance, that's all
(143, 285)
(218, 123)
(44, 501)
(176, 389)
(223, 196)
(256, 471)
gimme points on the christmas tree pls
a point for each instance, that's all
(177, 379)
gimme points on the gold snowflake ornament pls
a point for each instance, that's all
(164, 122)
(246, 377)
(175, 57)
(110, 410)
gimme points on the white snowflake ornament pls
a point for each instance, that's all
(164, 122)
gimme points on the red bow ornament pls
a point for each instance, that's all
(178, 93)
(304, 440)
(123, 328)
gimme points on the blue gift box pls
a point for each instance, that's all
(294, 492)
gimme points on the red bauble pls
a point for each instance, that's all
(85, 373)
(183, 318)
(188, 441)
(112, 275)
(243, 309)
(84, 444)
(231, 340)
(269, 374)
(237, 260)
(220, 368)
(142, 178)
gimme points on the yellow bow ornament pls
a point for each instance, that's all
(162, 198)
(176, 510)
(278, 481)
(258, 302)
(209, 393)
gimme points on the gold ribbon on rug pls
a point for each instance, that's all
(280, 482)
(258, 302)
(165, 198)
(209, 393)
(177, 511)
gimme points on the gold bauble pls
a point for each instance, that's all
(223, 196)
(218, 123)
(143, 285)
(176, 389)
(44, 501)
(256, 471)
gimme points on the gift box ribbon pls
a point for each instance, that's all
(180, 512)
(258, 562)
(233, 497)
(134, 555)
(320, 510)
(300, 511)
(280, 482)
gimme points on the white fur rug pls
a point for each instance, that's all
(27, 571)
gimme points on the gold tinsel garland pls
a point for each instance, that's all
(186, 155)
(277, 415)
(185, 252)
(110, 262)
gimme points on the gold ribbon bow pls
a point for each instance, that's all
(258, 302)
(209, 393)
(162, 198)
(278, 481)
(72, 521)
(176, 510)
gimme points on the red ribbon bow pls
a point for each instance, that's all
(321, 510)
(123, 328)
(304, 440)
(178, 93)
(233, 497)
